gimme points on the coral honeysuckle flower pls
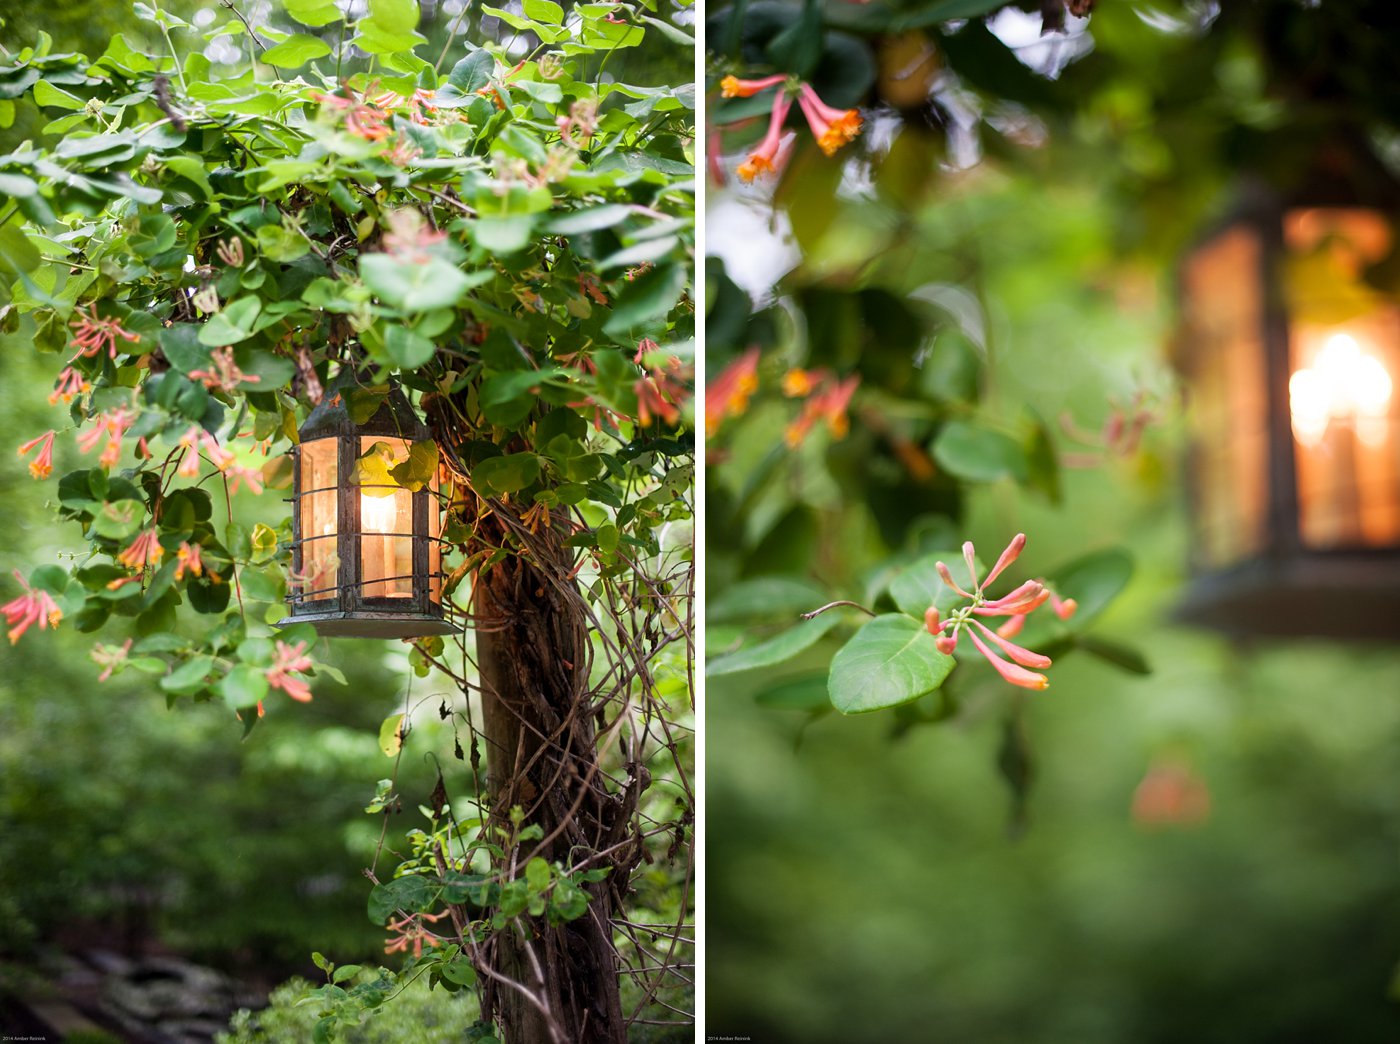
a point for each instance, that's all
(1020, 602)
(798, 383)
(408, 236)
(577, 129)
(237, 474)
(70, 385)
(728, 394)
(111, 426)
(589, 286)
(33, 607)
(225, 372)
(144, 551)
(827, 399)
(363, 119)
(733, 87)
(41, 467)
(403, 152)
(772, 151)
(193, 440)
(1062, 607)
(1171, 794)
(652, 401)
(664, 390)
(645, 345)
(832, 128)
(91, 334)
(206, 300)
(111, 658)
(410, 929)
(230, 252)
(714, 162)
(279, 676)
(189, 559)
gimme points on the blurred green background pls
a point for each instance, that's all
(871, 878)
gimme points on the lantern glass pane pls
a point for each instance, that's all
(434, 548)
(1222, 298)
(386, 531)
(1344, 363)
(319, 527)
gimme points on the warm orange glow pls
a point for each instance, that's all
(386, 527)
(1345, 384)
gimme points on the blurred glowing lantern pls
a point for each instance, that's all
(366, 560)
(1290, 342)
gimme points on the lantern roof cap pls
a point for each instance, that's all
(348, 390)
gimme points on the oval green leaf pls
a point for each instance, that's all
(891, 660)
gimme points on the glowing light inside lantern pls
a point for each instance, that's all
(1343, 384)
(377, 513)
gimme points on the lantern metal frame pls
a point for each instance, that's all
(1286, 589)
(348, 611)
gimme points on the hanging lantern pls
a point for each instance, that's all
(1291, 353)
(366, 558)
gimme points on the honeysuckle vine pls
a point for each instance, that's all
(203, 250)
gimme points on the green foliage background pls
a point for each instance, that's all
(125, 825)
(967, 867)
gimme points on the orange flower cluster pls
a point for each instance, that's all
(728, 394)
(41, 467)
(832, 128)
(111, 426)
(33, 607)
(664, 390)
(91, 334)
(1019, 603)
(290, 658)
(826, 398)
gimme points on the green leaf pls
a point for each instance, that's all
(420, 467)
(764, 597)
(774, 650)
(415, 286)
(891, 660)
(504, 234)
(189, 677)
(807, 693)
(119, 519)
(243, 686)
(460, 971)
(372, 469)
(546, 11)
(364, 402)
(407, 348)
(394, 16)
(296, 51)
(1124, 657)
(47, 94)
(1093, 581)
(391, 735)
(473, 72)
(978, 454)
(508, 474)
(591, 219)
(314, 12)
(537, 874)
(231, 325)
(918, 585)
(413, 894)
(180, 345)
(649, 296)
